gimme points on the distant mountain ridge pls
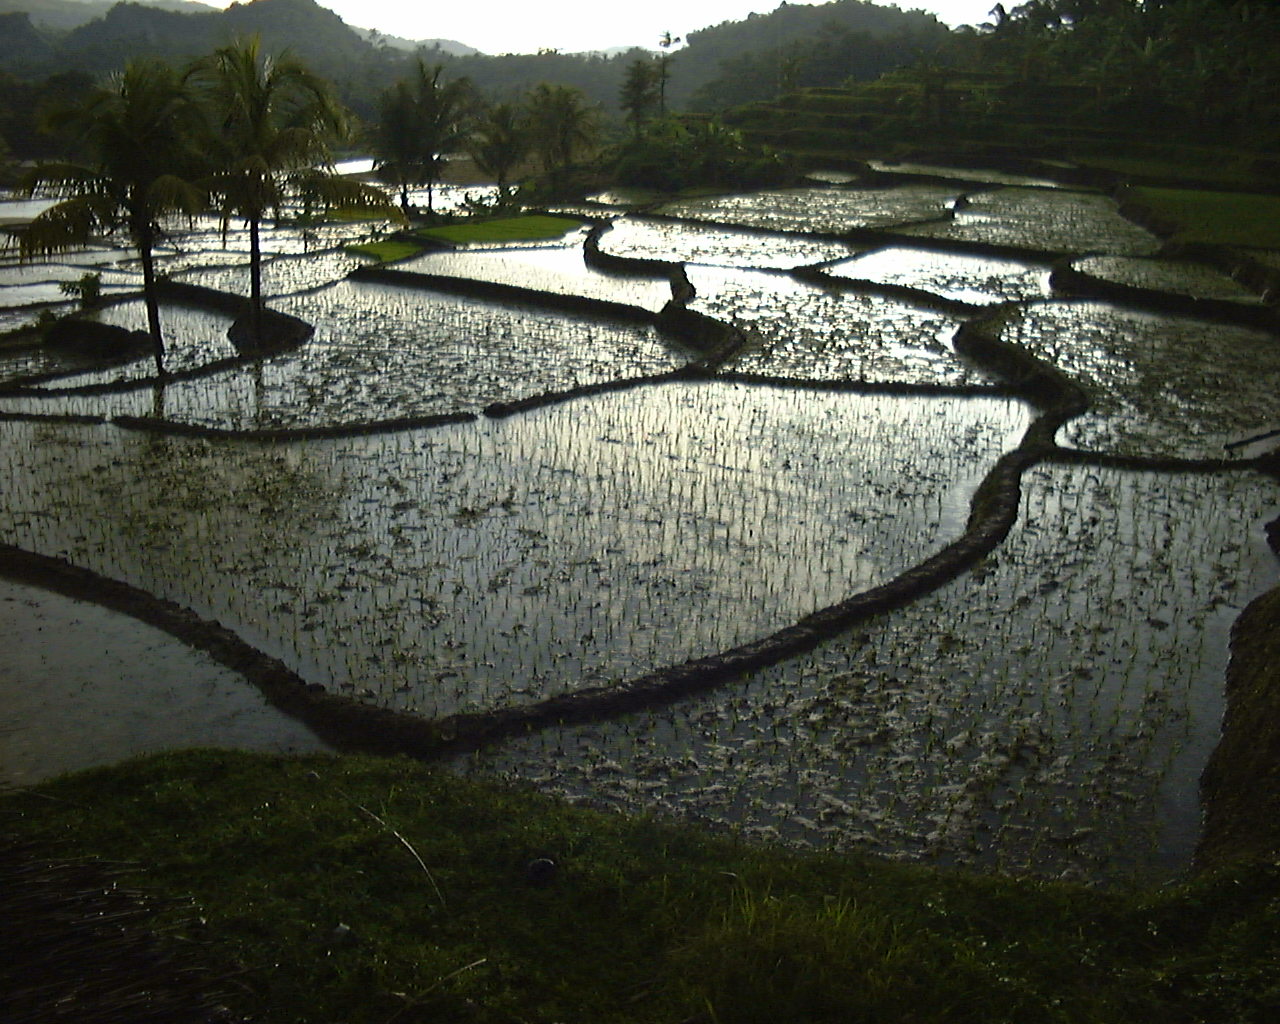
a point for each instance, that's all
(69, 14)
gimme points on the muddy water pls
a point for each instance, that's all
(83, 686)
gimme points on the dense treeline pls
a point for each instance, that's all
(739, 61)
(1203, 69)
(1206, 67)
(1174, 80)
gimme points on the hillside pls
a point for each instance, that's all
(64, 15)
(740, 61)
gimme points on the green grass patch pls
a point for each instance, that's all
(1221, 218)
(504, 229)
(388, 250)
(365, 890)
(1227, 174)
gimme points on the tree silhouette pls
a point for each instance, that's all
(664, 69)
(272, 122)
(560, 125)
(638, 96)
(140, 130)
(499, 142)
(421, 122)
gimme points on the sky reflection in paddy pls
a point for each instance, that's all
(820, 209)
(1057, 221)
(641, 238)
(977, 279)
(1181, 277)
(1047, 712)
(1159, 385)
(797, 329)
(559, 270)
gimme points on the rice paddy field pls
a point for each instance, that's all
(356, 508)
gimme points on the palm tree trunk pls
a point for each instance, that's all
(255, 281)
(152, 301)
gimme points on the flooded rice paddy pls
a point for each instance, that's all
(1048, 714)
(1053, 220)
(1158, 385)
(1047, 711)
(79, 715)
(577, 545)
(799, 329)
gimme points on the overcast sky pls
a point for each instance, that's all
(525, 26)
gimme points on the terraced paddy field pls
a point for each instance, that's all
(818, 515)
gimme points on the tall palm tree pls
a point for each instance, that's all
(421, 122)
(272, 123)
(499, 142)
(395, 141)
(140, 131)
(560, 125)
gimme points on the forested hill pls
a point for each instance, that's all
(841, 40)
(68, 14)
(738, 61)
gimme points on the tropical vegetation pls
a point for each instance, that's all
(273, 125)
(142, 131)
(421, 121)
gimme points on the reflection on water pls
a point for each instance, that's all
(966, 173)
(975, 279)
(801, 330)
(120, 688)
(1057, 221)
(821, 209)
(559, 270)
(1048, 714)
(474, 565)
(1161, 385)
(641, 238)
(1182, 277)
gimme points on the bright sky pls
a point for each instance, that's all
(525, 26)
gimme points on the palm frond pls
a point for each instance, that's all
(69, 225)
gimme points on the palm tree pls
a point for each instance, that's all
(273, 122)
(560, 124)
(140, 130)
(499, 142)
(421, 123)
(396, 142)
(638, 95)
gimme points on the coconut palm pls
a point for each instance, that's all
(140, 131)
(273, 122)
(499, 142)
(560, 125)
(421, 122)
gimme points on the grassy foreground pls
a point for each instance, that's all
(530, 228)
(365, 890)
(1217, 218)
